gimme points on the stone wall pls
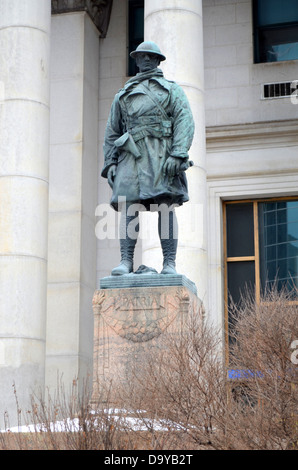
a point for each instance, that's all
(233, 81)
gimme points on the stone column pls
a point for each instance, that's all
(24, 147)
(72, 197)
(177, 28)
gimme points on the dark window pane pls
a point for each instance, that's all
(271, 217)
(281, 216)
(282, 251)
(240, 230)
(136, 31)
(241, 282)
(271, 235)
(275, 30)
(271, 252)
(278, 244)
(241, 279)
(272, 12)
(271, 206)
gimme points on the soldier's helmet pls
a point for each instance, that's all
(150, 47)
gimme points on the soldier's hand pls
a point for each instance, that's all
(112, 174)
(172, 166)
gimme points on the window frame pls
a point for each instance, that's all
(255, 257)
(258, 29)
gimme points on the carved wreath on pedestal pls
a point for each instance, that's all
(136, 317)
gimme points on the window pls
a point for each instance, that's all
(278, 238)
(275, 30)
(261, 248)
(135, 31)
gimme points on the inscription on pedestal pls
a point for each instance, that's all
(137, 315)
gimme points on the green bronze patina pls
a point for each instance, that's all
(148, 135)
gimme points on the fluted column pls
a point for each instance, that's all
(24, 147)
(176, 26)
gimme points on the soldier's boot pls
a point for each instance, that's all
(127, 247)
(169, 250)
(169, 245)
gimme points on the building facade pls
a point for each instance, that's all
(61, 63)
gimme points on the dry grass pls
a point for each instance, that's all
(190, 401)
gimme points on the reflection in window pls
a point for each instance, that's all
(278, 230)
(283, 52)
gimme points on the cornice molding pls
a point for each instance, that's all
(253, 135)
(98, 10)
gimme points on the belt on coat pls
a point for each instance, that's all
(149, 126)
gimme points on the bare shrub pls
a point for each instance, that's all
(184, 396)
(66, 421)
(182, 387)
(204, 404)
(266, 375)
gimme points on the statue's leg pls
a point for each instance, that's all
(129, 229)
(168, 234)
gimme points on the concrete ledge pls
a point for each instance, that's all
(147, 280)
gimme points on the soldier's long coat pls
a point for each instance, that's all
(152, 133)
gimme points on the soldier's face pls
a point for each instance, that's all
(146, 61)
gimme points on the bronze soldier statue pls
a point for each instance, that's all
(147, 139)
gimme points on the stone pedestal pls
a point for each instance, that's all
(129, 321)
